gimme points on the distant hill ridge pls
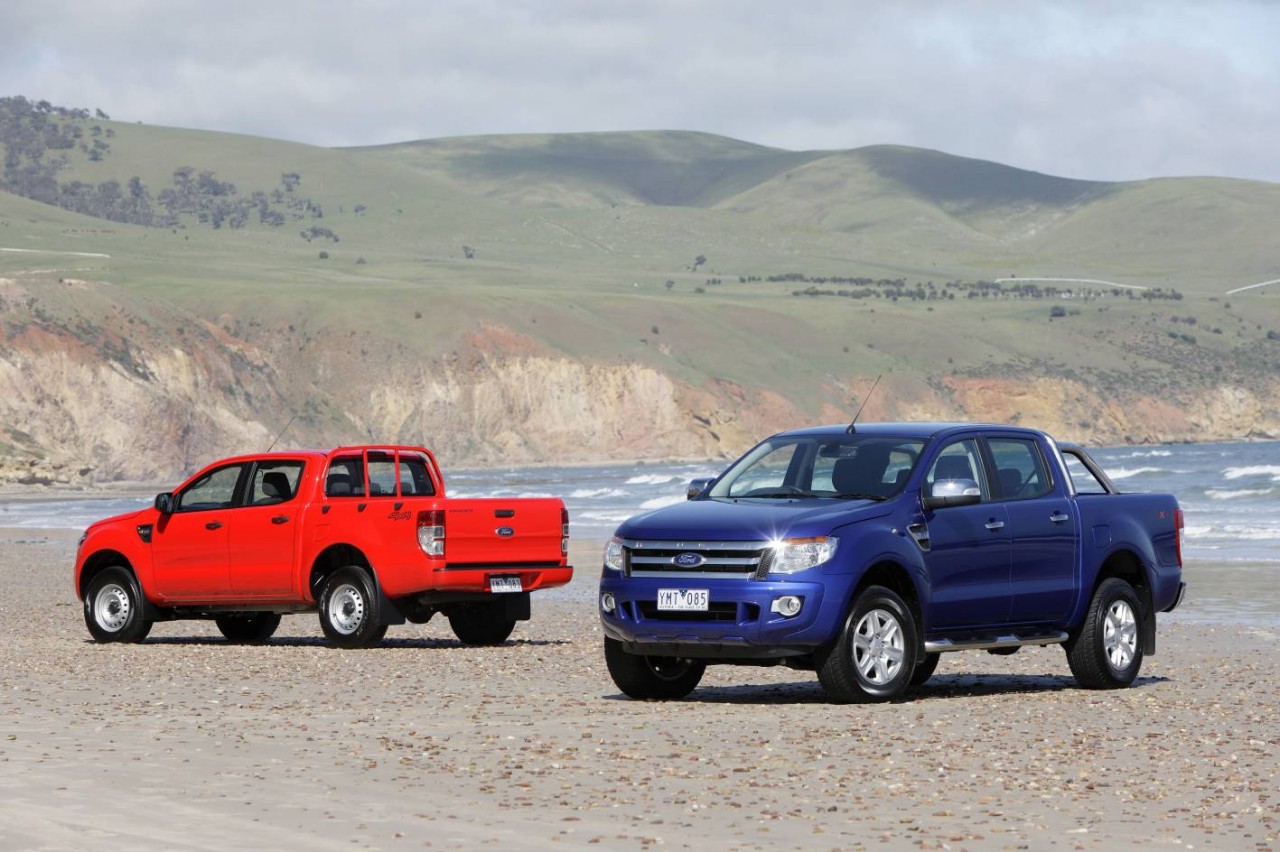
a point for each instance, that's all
(681, 168)
(167, 295)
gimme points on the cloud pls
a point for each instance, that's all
(1098, 90)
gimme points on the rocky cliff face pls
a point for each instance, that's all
(80, 404)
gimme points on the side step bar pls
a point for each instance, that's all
(1008, 641)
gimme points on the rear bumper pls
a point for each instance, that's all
(475, 578)
(1182, 592)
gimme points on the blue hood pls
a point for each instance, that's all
(749, 520)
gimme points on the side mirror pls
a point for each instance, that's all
(953, 492)
(165, 503)
(697, 486)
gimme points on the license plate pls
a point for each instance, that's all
(688, 600)
(505, 584)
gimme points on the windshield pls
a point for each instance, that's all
(848, 466)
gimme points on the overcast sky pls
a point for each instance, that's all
(1080, 88)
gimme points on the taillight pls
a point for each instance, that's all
(564, 531)
(1180, 523)
(431, 532)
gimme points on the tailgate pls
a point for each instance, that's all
(489, 531)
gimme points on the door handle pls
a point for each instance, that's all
(213, 525)
(1059, 517)
(280, 519)
(995, 525)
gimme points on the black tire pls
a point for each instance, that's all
(643, 677)
(349, 613)
(874, 657)
(1106, 652)
(248, 629)
(924, 669)
(481, 624)
(113, 607)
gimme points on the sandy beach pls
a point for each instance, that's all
(187, 742)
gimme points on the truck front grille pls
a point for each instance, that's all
(740, 559)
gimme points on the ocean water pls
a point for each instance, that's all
(1230, 494)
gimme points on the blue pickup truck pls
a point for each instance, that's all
(864, 552)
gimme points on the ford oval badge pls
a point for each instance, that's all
(505, 532)
(688, 560)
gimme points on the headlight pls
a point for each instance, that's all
(800, 554)
(613, 555)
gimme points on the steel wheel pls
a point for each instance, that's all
(349, 613)
(112, 607)
(346, 609)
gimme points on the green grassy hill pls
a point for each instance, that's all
(532, 298)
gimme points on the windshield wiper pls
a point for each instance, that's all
(779, 495)
(876, 497)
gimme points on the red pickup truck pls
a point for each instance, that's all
(363, 535)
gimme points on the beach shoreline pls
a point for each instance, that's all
(186, 741)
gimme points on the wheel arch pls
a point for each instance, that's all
(332, 558)
(98, 562)
(1128, 566)
(894, 576)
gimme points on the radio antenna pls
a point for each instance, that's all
(854, 423)
(290, 423)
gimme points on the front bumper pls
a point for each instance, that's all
(739, 621)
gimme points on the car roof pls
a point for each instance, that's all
(915, 430)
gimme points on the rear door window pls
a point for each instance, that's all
(345, 477)
(1020, 468)
(274, 482)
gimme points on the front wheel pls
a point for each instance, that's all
(643, 677)
(113, 607)
(248, 629)
(349, 613)
(925, 668)
(1107, 651)
(874, 657)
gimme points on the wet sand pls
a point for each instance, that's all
(187, 742)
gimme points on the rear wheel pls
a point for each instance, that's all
(644, 677)
(1106, 652)
(252, 628)
(349, 613)
(481, 624)
(874, 658)
(113, 607)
